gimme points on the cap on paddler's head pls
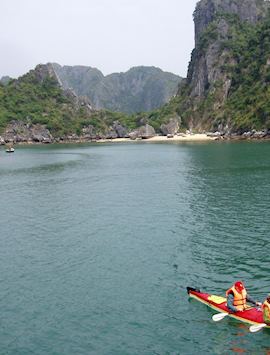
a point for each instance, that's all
(239, 285)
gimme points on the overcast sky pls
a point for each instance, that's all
(111, 35)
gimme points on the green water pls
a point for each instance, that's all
(98, 244)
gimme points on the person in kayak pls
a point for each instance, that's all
(266, 310)
(237, 298)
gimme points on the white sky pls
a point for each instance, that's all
(111, 35)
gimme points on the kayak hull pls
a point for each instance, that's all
(252, 315)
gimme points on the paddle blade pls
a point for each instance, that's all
(257, 327)
(219, 316)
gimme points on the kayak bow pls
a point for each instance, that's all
(252, 315)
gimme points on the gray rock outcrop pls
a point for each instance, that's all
(143, 132)
(147, 131)
(120, 130)
(172, 127)
(21, 132)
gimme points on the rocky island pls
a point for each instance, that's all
(225, 95)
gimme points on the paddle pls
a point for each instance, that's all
(219, 316)
(257, 327)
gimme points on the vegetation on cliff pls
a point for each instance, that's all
(249, 99)
(37, 98)
(229, 72)
(29, 100)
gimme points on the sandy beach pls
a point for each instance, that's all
(183, 137)
(176, 138)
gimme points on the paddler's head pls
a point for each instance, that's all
(268, 298)
(239, 286)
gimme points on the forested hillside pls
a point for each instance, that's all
(38, 98)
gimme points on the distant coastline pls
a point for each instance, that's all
(178, 137)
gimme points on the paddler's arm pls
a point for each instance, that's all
(251, 300)
(230, 303)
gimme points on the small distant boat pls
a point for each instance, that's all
(9, 148)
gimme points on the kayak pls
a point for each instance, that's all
(251, 315)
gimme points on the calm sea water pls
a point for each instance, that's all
(99, 242)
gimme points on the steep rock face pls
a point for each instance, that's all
(139, 89)
(206, 10)
(208, 58)
(219, 25)
(204, 70)
(42, 72)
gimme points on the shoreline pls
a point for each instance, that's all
(195, 137)
(177, 138)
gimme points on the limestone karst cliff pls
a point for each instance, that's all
(139, 89)
(246, 10)
(231, 56)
